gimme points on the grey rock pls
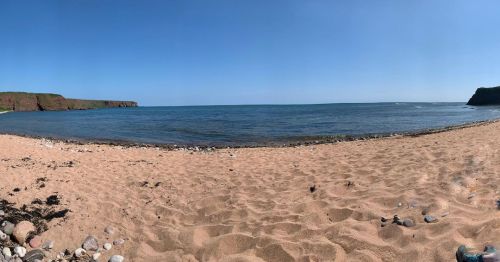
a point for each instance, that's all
(3, 236)
(47, 245)
(2, 213)
(430, 219)
(408, 222)
(8, 227)
(34, 255)
(90, 244)
(116, 258)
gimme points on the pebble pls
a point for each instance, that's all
(430, 219)
(107, 246)
(35, 242)
(2, 213)
(90, 244)
(21, 231)
(6, 252)
(118, 242)
(3, 236)
(8, 227)
(116, 258)
(109, 230)
(408, 222)
(96, 256)
(79, 252)
(34, 255)
(47, 245)
(20, 251)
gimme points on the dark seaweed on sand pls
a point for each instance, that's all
(37, 214)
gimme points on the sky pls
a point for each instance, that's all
(198, 52)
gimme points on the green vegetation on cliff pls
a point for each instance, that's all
(20, 101)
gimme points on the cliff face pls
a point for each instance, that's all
(17, 101)
(485, 96)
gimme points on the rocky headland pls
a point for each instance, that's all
(20, 101)
(485, 96)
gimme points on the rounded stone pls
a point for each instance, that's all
(21, 231)
(6, 252)
(79, 252)
(34, 255)
(118, 242)
(35, 242)
(430, 219)
(107, 246)
(3, 236)
(90, 243)
(408, 222)
(8, 227)
(20, 251)
(116, 258)
(96, 256)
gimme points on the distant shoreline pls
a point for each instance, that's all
(304, 141)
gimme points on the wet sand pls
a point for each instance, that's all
(306, 203)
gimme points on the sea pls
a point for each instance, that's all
(242, 125)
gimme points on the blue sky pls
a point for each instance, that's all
(188, 52)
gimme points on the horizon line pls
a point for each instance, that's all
(300, 104)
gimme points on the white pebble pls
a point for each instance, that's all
(79, 252)
(3, 236)
(96, 256)
(107, 246)
(20, 251)
(6, 252)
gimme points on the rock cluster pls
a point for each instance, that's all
(19, 243)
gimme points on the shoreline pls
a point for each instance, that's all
(306, 141)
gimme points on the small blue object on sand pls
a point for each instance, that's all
(489, 254)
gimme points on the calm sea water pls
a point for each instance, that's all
(241, 125)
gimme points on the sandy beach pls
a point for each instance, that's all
(307, 203)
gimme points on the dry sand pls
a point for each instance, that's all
(256, 205)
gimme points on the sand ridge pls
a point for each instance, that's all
(256, 204)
